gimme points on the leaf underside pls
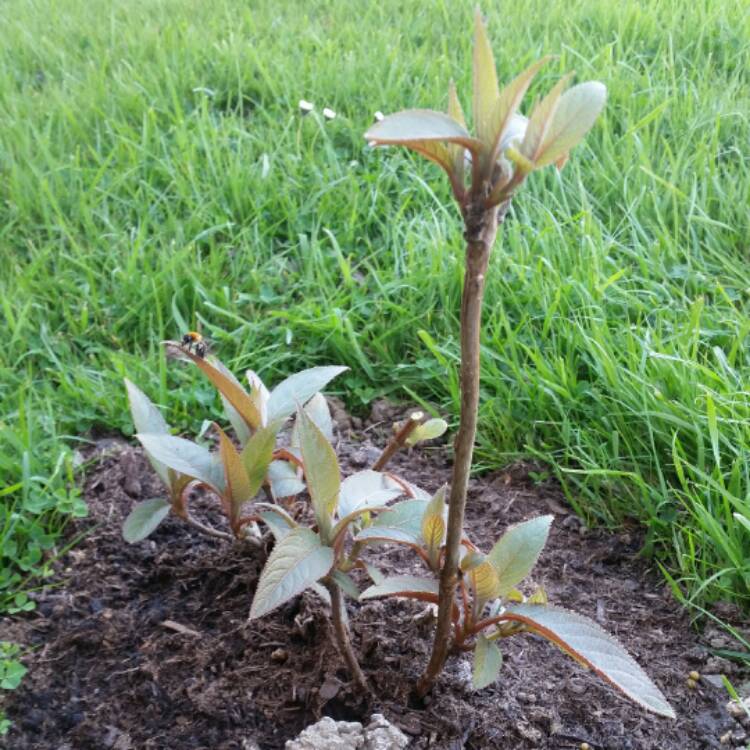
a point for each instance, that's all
(297, 561)
(585, 641)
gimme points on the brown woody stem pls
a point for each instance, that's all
(342, 636)
(398, 440)
(481, 229)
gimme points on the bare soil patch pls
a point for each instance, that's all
(148, 646)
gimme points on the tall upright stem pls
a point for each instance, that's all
(481, 229)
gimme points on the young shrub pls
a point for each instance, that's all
(505, 148)
(234, 475)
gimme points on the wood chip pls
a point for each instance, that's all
(178, 628)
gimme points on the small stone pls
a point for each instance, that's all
(738, 709)
(328, 734)
(584, 746)
(725, 739)
(380, 734)
(280, 655)
(329, 689)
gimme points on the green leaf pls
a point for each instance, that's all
(486, 92)
(317, 409)
(515, 554)
(11, 673)
(365, 489)
(346, 584)
(257, 456)
(185, 457)
(456, 151)
(227, 385)
(485, 582)
(277, 519)
(298, 389)
(741, 519)
(241, 428)
(574, 116)
(259, 395)
(431, 429)
(586, 642)
(508, 103)
(284, 480)
(488, 660)
(237, 481)
(147, 418)
(144, 519)
(433, 524)
(412, 587)
(400, 523)
(541, 119)
(321, 472)
(429, 133)
(297, 561)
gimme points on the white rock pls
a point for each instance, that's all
(380, 734)
(328, 734)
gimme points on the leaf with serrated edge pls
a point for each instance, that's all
(144, 519)
(257, 456)
(402, 522)
(298, 389)
(407, 586)
(517, 551)
(147, 418)
(365, 489)
(574, 116)
(510, 99)
(321, 472)
(602, 652)
(488, 660)
(297, 561)
(185, 457)
(284, 479)
(431, 429)
(237, 480)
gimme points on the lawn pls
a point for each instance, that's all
(155, 176)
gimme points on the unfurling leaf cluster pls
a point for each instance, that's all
(485, 169)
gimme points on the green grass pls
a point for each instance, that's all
(154, 174)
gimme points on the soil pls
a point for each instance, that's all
(148, 646)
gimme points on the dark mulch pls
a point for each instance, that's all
(148, 646)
